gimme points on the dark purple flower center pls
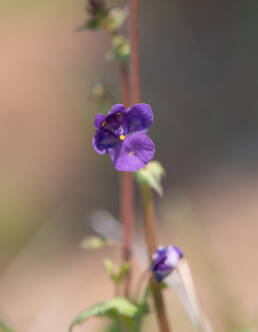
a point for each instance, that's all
(115, 125)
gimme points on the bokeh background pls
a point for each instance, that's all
(199, 71)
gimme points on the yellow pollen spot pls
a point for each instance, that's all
(119, 113)
(131, 153)
(122, 137)
(103, 123)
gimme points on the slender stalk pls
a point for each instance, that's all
(126, 190)
(134, 63)
(152, 246)
(127, 219)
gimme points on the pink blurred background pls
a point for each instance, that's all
(199, 73)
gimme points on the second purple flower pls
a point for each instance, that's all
(165, 260)
(123, 134)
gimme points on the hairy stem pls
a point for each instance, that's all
(127, 219)
(134, 63)
(126, 190)
(152, 246)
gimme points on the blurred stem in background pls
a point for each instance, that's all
(149, 224)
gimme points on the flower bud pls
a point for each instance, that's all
(165, 260)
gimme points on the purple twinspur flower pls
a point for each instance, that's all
(123, 134)
(165, 260)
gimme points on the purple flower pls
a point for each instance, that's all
(123, 134)
(165, 260)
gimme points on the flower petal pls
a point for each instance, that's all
(99, 119)
(133, 153)
(103, 140)
(117, 108)
(165, 260)
(139, 117)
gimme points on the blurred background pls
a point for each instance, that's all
(199, 72)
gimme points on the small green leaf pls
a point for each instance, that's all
(120, 49)
(115, 327)
(152, 174)
(122, 273)
(115, 308)
(116, 273)
(143, 310)
(115, 19)
(110, 266)
(98, 91)
(93, 242)
(4, 327)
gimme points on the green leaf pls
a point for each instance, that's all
(115, 308)
(115, 19)
(4, 327)
(96, 22)
(120, 49)
(93, 242)
(110, 266)
(115, 327)
(134, 324)
(116, 273)
(152, 175)
(122, 273)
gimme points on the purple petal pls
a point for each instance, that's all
(133, 153)
(103, 140)
(161, 274)
(174, 254)
(165, 260)
(99, 119)
(139, 117)
(117, 108)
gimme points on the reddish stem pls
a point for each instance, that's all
(126, 190)
(134, 68)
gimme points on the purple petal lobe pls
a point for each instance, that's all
(117, 108)
(103, 140)
(139, 117)
(136, 150)
(99, 120)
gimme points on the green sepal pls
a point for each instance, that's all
(117, 308)
(152, 174)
